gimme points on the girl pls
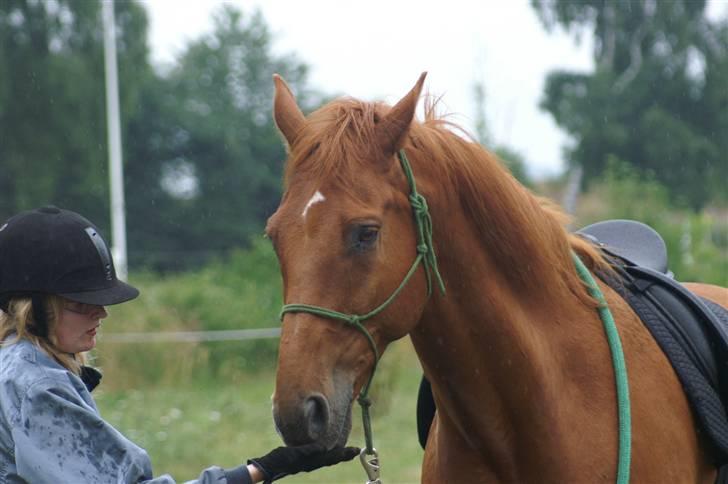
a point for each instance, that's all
(56, 276)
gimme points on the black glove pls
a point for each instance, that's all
(284, 461)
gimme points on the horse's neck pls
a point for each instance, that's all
(524, 238)
(494, 357)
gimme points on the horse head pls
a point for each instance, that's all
(345, 238)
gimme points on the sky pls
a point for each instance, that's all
(376, 50)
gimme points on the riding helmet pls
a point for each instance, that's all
(54, 251)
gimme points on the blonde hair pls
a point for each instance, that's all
(17, 323)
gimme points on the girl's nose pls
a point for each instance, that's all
(99, 312)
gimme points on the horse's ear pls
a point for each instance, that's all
(393, 127)
(288, 116)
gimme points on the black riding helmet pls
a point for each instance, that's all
(54, 251)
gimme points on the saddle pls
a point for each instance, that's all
(690, 330)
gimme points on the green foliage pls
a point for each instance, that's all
(52, 101)
(697, 243)
(239, 291)
(657, 97)
(203, 159)
(515, 163)
(513, 160)
(208, 159)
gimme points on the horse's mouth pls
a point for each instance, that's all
(344, 429)
(304, 428)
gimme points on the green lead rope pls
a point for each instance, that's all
(620, 372)
(425, 255)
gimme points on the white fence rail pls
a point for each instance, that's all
(192, 336)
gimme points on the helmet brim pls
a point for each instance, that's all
(118, 293)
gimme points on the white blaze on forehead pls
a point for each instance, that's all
(316, 198)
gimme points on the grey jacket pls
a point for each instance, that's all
(51, 430)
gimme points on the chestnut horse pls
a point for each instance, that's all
(520, 368)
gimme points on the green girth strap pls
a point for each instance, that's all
(425, 255)
(620, 372)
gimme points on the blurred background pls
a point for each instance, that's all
(615, 109)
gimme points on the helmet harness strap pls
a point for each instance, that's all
(40, 316)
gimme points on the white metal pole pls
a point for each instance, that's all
(573, 186)
(116, 174)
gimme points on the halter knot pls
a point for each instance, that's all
(364, 401)
(423, 223)
(419, 203)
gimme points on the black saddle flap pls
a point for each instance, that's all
(693, 334)
(696, 325)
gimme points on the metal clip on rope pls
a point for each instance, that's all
(371, 465)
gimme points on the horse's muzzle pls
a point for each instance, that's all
(312, 419)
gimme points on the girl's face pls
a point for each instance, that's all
(76, 328)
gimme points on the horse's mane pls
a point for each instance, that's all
(525, 233)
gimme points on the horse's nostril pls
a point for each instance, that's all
(316, 413)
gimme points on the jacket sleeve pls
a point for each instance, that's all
(61, 438)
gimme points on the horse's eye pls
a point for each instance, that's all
(365, 237)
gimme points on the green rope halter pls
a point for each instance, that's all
(425, 255)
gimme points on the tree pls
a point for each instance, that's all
(206, 159)
(52, 108)
(657, 97)
(203, 159)
(512, 159)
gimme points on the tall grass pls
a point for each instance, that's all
(187, 425)
(242, 291)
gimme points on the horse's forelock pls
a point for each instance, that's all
(336, 142)
(339, 136)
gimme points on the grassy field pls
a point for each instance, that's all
(187, 425)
